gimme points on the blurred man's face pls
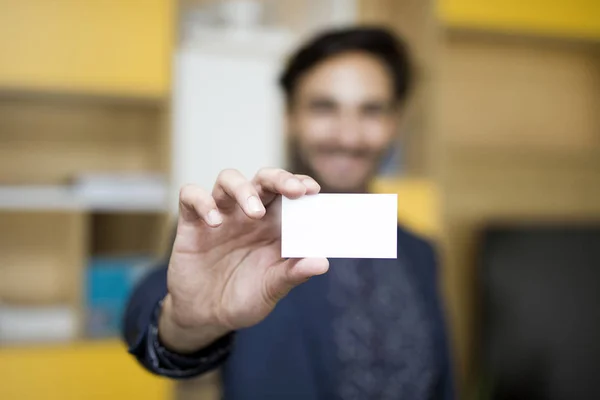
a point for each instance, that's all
(342, 120)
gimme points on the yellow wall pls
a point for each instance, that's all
(90, 371)
(92, 46)
(570, 18)
(124, 47)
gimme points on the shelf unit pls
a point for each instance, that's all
(51, 227)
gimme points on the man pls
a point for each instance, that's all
(366, 329)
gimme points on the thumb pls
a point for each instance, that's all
(292, 272)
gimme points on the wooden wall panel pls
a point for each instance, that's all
(497, 91)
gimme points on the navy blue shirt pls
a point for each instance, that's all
(368, 329)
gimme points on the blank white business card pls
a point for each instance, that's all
(340, 226)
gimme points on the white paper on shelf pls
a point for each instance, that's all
(37, 324)
(122, 191)
(96, 192)
(340, 226)
(38, 197)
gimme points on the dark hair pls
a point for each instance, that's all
(375, 41)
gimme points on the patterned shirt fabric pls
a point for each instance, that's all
(381, 331)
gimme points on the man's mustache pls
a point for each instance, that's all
(348, 152)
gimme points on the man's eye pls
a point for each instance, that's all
(322, 107)
(374, 111)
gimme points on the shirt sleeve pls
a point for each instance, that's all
(141, 335)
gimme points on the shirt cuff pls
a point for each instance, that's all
(182, 366)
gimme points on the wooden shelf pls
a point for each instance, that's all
(50, 140)
(64, 198)
(39, 198)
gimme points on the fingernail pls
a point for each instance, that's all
(214, 217)
(293, 184)
(254, 204)
(310, 183)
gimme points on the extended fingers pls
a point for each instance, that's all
(232, 188)
(275, 181)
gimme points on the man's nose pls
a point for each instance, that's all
(350, 132)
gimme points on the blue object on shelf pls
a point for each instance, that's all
(110, 281)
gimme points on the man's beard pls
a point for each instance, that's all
(298, 164)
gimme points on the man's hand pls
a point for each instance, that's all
(226, 270)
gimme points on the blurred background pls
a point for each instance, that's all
(108, 106)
